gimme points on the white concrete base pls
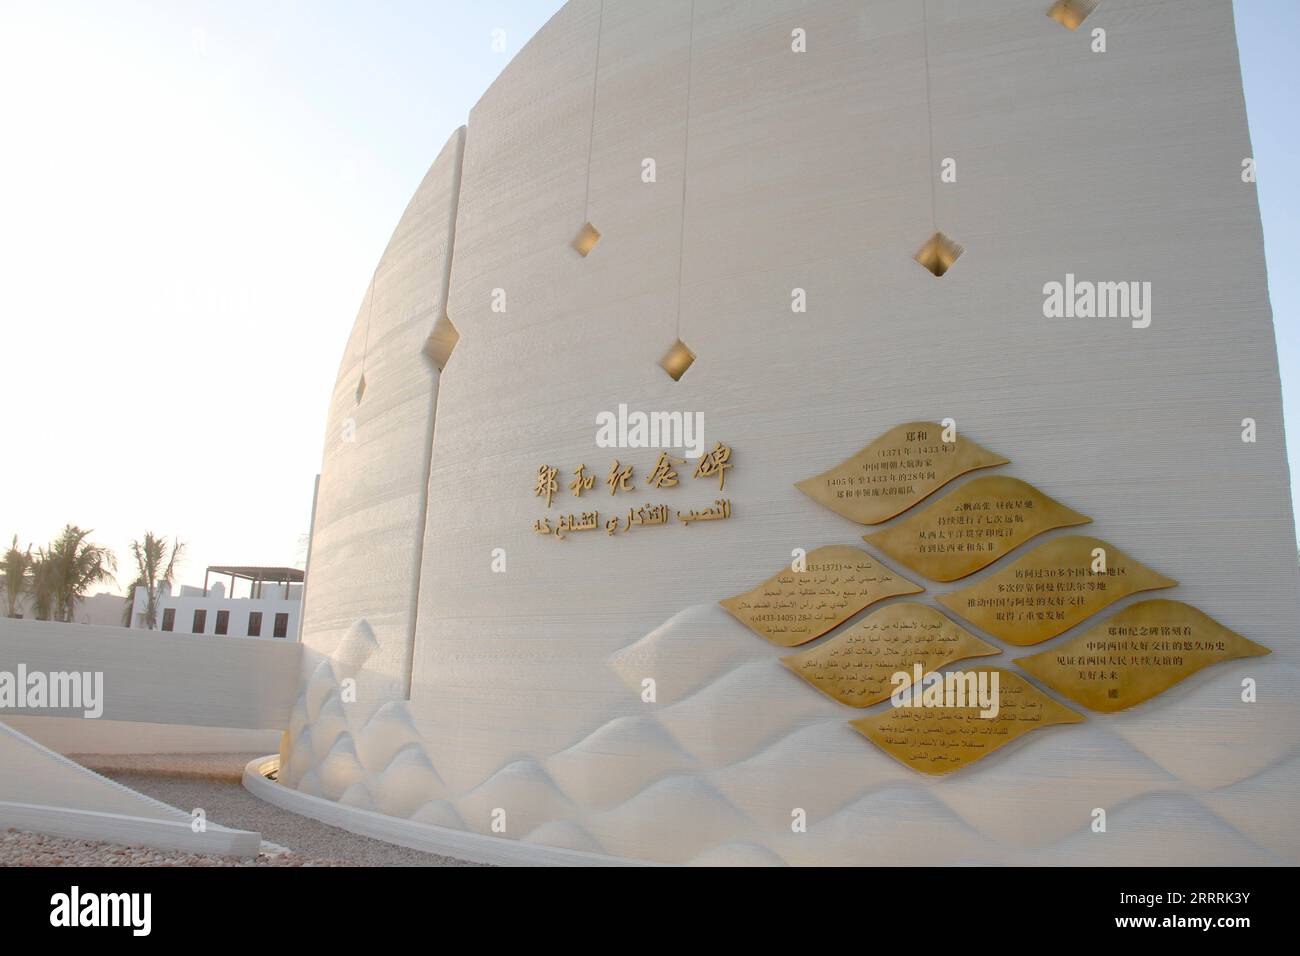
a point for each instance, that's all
(130, 831)
(418, 836)
(75, 735)
(45, 792)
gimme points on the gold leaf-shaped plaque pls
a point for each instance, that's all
(895, 471)
(793, 607)
(857, 666)
(941, 739)
(1138, 653)
(972, 527)
(1051, 589)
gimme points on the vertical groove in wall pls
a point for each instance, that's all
(306, 568)
(452, 212)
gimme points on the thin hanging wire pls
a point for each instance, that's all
(929, 116)
(591, 132)
(686, 153)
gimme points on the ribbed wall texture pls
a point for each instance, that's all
(813, 170)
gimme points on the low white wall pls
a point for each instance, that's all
(76, 735)
(162, 678)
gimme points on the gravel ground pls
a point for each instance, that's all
(213, 782)
(18, 848)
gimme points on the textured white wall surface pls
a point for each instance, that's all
(520, 691)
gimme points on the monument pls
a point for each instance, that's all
(988, 527)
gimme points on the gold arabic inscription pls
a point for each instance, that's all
(794, 607)
(939, 740)
(857, 666)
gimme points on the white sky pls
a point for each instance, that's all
(192, 198)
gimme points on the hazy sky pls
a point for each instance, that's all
(192, 198)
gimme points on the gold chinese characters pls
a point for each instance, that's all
(897, 470)
(858, 666)
(1136, 654)
(795, 606)
(1052, 588)
(621, 479)
(622, 476)
(971, 528)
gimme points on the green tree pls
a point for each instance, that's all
(154, 567)
(16, 564)
(43, 585)
(64, 572)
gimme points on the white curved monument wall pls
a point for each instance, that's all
(811, 171)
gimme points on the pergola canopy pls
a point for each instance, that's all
(255, 574)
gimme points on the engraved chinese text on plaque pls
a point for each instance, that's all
(898, 469)
(940, 740)
(794, 607)
(1051, 589)
(1136, 654)
(857, 666)
(974, 526)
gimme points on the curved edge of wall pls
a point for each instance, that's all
(474, 847)
(130, 831)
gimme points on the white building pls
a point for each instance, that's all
(502, 674)
(271, 608)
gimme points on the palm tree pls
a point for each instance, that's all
(44, 585)
(65, 571)
(15, 564)
(151, 573)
